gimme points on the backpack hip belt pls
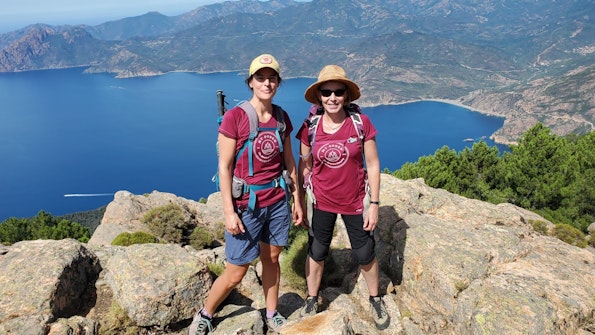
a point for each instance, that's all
(251, 188)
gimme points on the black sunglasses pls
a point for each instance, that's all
(338, 93)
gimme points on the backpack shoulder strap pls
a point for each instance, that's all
(252, 116)
(358, 124)
(355, 115)
(312, 122)
(280, 116)
(356, 118)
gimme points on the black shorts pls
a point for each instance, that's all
(323, 226)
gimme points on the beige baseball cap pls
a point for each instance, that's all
(262, 61)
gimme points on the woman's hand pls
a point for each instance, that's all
(233, 224)
(297, 213)
(371, 219)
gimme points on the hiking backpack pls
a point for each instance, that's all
(239, 186)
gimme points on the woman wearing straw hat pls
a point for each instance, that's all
(259, 229)
(335, 142)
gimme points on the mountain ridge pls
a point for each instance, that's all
(465, 51)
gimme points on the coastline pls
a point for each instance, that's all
(447, 101)
(90, 69)
(494, 137)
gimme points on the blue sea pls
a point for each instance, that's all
(69, 140)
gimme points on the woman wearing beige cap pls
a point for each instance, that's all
(257, 217)
(336, 141)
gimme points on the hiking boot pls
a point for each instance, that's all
(201, 325)
(379, 313)
(310, 307)
(276, 322)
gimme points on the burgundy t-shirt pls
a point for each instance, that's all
(338, 175)
(267, 161)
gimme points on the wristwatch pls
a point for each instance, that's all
(375, 203)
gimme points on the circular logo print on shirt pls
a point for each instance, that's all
(265, 147)
(333, 155)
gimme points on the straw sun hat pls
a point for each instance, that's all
(331, 73)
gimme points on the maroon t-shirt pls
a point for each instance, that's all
(338, 175)
(267, 161)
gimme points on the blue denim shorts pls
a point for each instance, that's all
(268, 225)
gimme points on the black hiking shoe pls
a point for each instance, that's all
(310, 307)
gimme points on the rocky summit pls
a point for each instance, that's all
(450, 265)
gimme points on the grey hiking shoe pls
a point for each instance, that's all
(310, 307)
(379, 313)
(276, 322)
(201, 325)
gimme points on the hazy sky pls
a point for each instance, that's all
(15, 14)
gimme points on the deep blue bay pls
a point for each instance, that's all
(86, 136)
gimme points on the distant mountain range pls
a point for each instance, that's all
(525, 60)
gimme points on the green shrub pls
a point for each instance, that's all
(117, 321)
(216, 268)
(138, 237)
(41, 226)
(167, 222)
(293, 262)
(461, 284)
(90, 219)
(570, 235)
(201, 238)
(202, 200)
(591, 240)
(293, 233)
(539, 226)
(219, 231)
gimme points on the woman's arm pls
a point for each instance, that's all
(297, 211)
(373, 168)
(227, 147)
(304, 168)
